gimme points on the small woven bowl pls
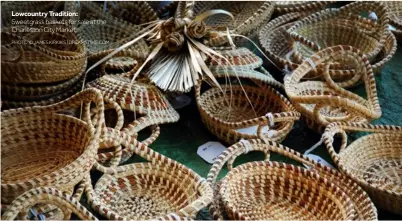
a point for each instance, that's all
(266, 189)
(226, 111)
(374, 161)
(323, 102)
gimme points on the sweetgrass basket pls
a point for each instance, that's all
(265, 190)
(374, 161)
(42, 147)
(326, 101)
(283, 7)
(395, 14)
(233, 108)
(143, 191)
(343, 26)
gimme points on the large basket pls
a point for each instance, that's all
(41, 147)
(341, 26)
(277, 44)
(323, 102)
(374, 161)
(283, 7)
(143, 191)
(269, 190)
(227, 109)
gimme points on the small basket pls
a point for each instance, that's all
(41, 147)
(283, 7)
(226, 111)
(323, 102)
(374, 161)
(341, 26)
(268, 190)
(143, 191)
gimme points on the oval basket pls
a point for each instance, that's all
(269, 190)
(41, 147)
(323, 102)
(226, 112)
(374, 161)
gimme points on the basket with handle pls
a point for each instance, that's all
(227, 110)
(143, 191)
(42, 147)
(262, 190)
(343, 26)
(326, 101)
(374, 161)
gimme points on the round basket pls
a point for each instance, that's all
(268, 190)
(374, 161)
(277, 44)
(341, 26)
(32, 63)
(144, 191)
(248, 17)
(323, 102)
(228, 114)
(283, 7)
(41, 147)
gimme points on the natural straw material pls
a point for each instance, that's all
(269, 190)
(395, 14)
(323, 102)
(299, 6)
(148, 190)
(231, 107)
(374, 161)
(41, 147)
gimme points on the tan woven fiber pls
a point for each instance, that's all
(269, 190)
(41, 147)
(143, 191)
(395, 14)
(374, 161)
(225, 110)
(277, 44)
(136, 12)
(342, 26)
(248, 16)
(299, 6)
(323, 102)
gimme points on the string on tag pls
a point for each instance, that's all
(246, 145)
(311, 149)
(270, 117)
(312, 64)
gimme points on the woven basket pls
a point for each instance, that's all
(34, 154)
(374, 161)
(143, 191)
(238, 57)
(395, 14)
(323, 102)
(341, 26)
(36, 63)
(248, 17)
(226, 111)
(268, 190)
(283, 7)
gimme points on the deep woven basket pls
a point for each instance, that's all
(283, 7)
(41, 147)
(269, 190)
(323, 102)
(33, 63)
(224, 111)
(341, 26)
(143, 191)
(374, 161)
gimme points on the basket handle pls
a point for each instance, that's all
(120, 117)
(46, 195)
(342, 127)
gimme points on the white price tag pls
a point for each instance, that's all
(210, 151)
(319, 160)
(372, 16)
(253, 131)
(391, 28)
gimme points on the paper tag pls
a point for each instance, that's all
(319, 160)
(210, 151)
(391, 28)
(253, 131)
(372, 16)
(180, 101)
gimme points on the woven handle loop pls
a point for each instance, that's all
(110, 104)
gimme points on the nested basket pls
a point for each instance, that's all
(143, 191)
(42, 147)
(374, 161)
(269, 190)
(33, 63)
(283, 7)
(277, 44)
(324, 101)
(343, 26)
(231, 107)
(248, 17)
